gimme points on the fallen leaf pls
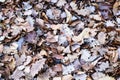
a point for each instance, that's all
(102, 37)
(40, 22)
(69, 16)
(96, 17)
(31, 37)
(1, 48)
(115, 7)
(67, 77)
(61, 3)
(57, 68)
(57, 78)
(2, 0)
(17, 74)
(82, 35)
(36, 67)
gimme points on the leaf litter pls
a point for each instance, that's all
(59, 40)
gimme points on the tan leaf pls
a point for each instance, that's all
(67, 77)
(102, 37)
(83, 12)
(82, 35)
(57, 78)
(12, 64)
(96, 17)
(1, 48)
(107, 78)
(56, 27)
(43, 52)
(69, 16)
(17, 74)
(115, 7)
(36, 67)
(57, 68)
(40, 21)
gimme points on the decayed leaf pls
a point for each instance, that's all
(69, 16)
(82, 35)
(36, 67)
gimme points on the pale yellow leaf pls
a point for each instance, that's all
(69, 16)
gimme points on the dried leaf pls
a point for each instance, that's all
(61, 3)
(82, 35)
(69, 16)
(102, 37)
(115, 7)
(57, 78)
(31, 37)
(96, 17)
(2, 0)
(106, 78)
(56, 27)
(57, 68)
(83, 12)
(40, 22)
(36, 67)
(1, 48)
(17, 74)
(67, 77)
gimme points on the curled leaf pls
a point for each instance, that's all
(69, 16)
